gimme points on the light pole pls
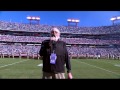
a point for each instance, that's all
(116, 18)
(113, 19)
(33, 18)
(70, 21)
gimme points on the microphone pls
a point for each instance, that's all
(52, 42)
(52, 35)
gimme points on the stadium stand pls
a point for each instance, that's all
(24, 40)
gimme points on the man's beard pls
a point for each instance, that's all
(56, 38)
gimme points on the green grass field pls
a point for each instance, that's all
(81, 69)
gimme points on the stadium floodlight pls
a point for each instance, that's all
(28, 17)
(115, 19)
(33, 18)
(69, 20)
(112, 19)
(73, 20)
(76, 21)
(37, 18)
(118, 17)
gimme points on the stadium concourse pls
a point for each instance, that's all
(24, 40)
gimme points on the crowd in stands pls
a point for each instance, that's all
(74, 50)
(10, 38)
(19, 50)
(93, 51)
(64, 29)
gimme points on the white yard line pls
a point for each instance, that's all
(106, 62)
(114, 64)
(118, 65)
(40, 65)
(12, 64)
(99, 68)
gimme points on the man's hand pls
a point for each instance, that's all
(70, 75)
(53, 38)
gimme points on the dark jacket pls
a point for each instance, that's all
(63, 59)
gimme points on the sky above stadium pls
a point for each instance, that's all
(87, 18)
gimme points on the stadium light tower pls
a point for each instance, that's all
(116, 18)
(71, 21)
(113, 19)
(33, 18)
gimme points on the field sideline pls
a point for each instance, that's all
(81, 68)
